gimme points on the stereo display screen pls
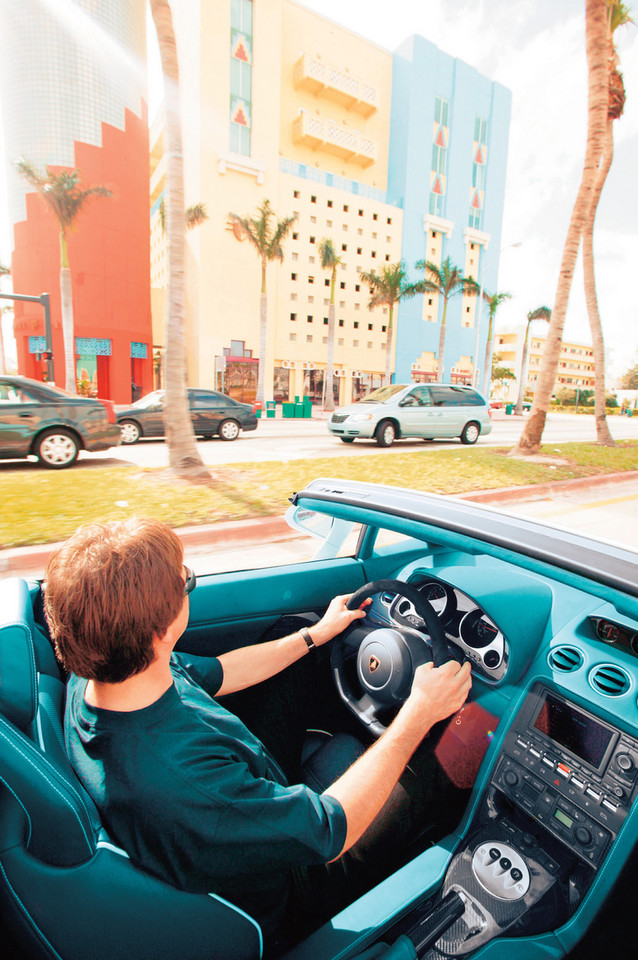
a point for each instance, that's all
(577, 732)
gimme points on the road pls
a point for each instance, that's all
(298, 439)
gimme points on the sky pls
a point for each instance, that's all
(536, 48)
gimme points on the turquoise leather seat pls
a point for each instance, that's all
(67, 892)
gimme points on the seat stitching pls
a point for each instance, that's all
(17, 798)
(51, 783)
(26, 912)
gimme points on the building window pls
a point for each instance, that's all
(326, 282)
(309, 318)
(325, 321)
(313, 239)
(293, 276)
(241, 58)
(292, 336)
(341, 323)
(293, 316)
(295, 194)
(313, 199)
(329, 203)
(360, 213)
(308, 338)
(345, 208)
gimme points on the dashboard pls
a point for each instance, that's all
(468, 629)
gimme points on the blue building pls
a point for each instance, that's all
(447, 164)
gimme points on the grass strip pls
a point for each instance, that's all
(41, 506)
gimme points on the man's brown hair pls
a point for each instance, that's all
(109, 590)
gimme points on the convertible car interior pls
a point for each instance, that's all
(540, 859)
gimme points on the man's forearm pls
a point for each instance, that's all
(365, 787)
(247, 666)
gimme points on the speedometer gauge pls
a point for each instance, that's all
(477, 630)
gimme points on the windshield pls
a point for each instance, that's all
(150, 400)
(383, 394)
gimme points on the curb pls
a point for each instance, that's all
(30, 561)
(538, 491)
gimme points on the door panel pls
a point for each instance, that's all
(232, 610)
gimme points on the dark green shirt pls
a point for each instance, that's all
(192, 796)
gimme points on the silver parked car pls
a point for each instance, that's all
(414, 410)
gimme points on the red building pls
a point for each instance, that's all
(83, 108)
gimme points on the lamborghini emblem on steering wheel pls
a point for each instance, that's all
(373, 664)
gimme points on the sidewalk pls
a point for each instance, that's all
(30, 561)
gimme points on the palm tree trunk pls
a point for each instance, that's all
(388, 347)
(523, 375)
(68, 333)
(603, 434)
(486, 379)
(329, 403)
(441, 357)
(263, 337)
(184, 458)
(598, 98)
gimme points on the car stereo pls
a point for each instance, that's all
(573, 772)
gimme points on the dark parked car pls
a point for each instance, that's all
(542, 761)
(51, 424)
(213, 414)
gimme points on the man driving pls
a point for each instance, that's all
(182, 784)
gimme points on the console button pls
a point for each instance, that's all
(516, 874)
(583, 836)
(510, 777)
(593, 793)
(625, 762)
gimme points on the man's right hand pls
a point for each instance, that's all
(438, 692)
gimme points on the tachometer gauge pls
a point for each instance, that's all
(440, 596)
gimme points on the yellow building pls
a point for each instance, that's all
(576, 367)
(309, 130)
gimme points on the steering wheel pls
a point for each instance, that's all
(388, 656)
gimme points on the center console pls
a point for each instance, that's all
(558, 794)
(571, 771)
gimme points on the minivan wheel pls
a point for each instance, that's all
(347, 439)
(471, 432)
(57, 448)
(385, 433)
(229, 430)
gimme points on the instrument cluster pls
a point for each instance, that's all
(466, 625)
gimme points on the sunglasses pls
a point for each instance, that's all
(191, 580)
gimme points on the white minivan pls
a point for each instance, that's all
(399, 410)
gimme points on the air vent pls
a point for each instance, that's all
(565, 659)
(609, 680)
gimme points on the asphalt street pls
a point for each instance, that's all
(284, 440)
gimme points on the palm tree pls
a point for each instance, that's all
(66, 198)
(617, 16)
(540, 313)
(598, 99)
(194, 216)
(493, 301)
(330, 261)
(266, 234)
(184, 458)
(388, 289)
(4, 272)
(448, 281)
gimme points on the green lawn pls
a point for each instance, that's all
(42, 506)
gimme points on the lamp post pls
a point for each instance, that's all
(488, 352)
